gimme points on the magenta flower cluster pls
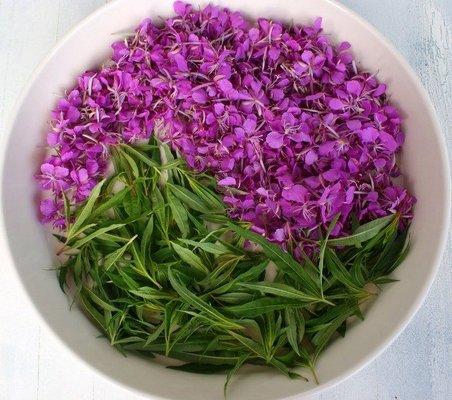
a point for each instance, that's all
(294, 132)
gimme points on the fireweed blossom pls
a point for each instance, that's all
(294, 132)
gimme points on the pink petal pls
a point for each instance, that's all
(199, 96)
(229, 181)
(311, 157)
(336, 104)
(275, 140)
(61, 172)
(295, 193)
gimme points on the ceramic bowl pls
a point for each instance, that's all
(24, 244)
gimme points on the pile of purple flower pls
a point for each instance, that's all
(292, 130)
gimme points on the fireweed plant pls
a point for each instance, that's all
(223, 191)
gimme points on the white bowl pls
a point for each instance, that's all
(24, 245)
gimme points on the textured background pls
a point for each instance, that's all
(418, 365)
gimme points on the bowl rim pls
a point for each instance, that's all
(347, 373)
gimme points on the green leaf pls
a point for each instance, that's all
(139, 155)
(339, 271)
(188, 198)
(322, 250)
(199, 368)
(146, 238)
(234, 297)
(382, 280)
(80, 242)
(207, 196)
(295, 328)
(363, 233)
(179, 213)
(282, 259)
(132, 164)
(150, 293)
(392, 255)
(112, 258)
(132, 204)
(251, 274)
(323, 337)
(379, 222)
(85, 212)
(281, 290)
(96, 316)
(100, 302)
(357, 271)
(155, 335)
(169, 322)
(212, 248)
(159, 208)
(199, 304)
(67, 210)
(282, 368)
(190, 258)
(250, 344)
(261, 306)
(186, 330)
(205, 358)
(233, 370)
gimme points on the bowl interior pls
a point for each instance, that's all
(25, 244)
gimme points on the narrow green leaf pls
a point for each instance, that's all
(92, 312)
(97, 300)
(112, 258)
(250, 344)
(339, 271)
(363, 233)
(323, 337)
(322, 250)
(234, 297)
(169, 323)
(205, 358)
(207, 195)
(190, 258)
(132, 204)
(261, 306)
(233, 370)
(200, 368)
(132, 164)
(147, 236)
(80, 242)
(199, 304)
(155, 335)
(212, 248)
(179, 213)
(281, 290)
(85, 212)
(159, 208)
(282, 259)
(150, 293)
(188, 198)
(140, 156)
(251, 274)
(295, 328)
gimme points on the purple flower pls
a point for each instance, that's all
(278, 112)
(52, 177)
